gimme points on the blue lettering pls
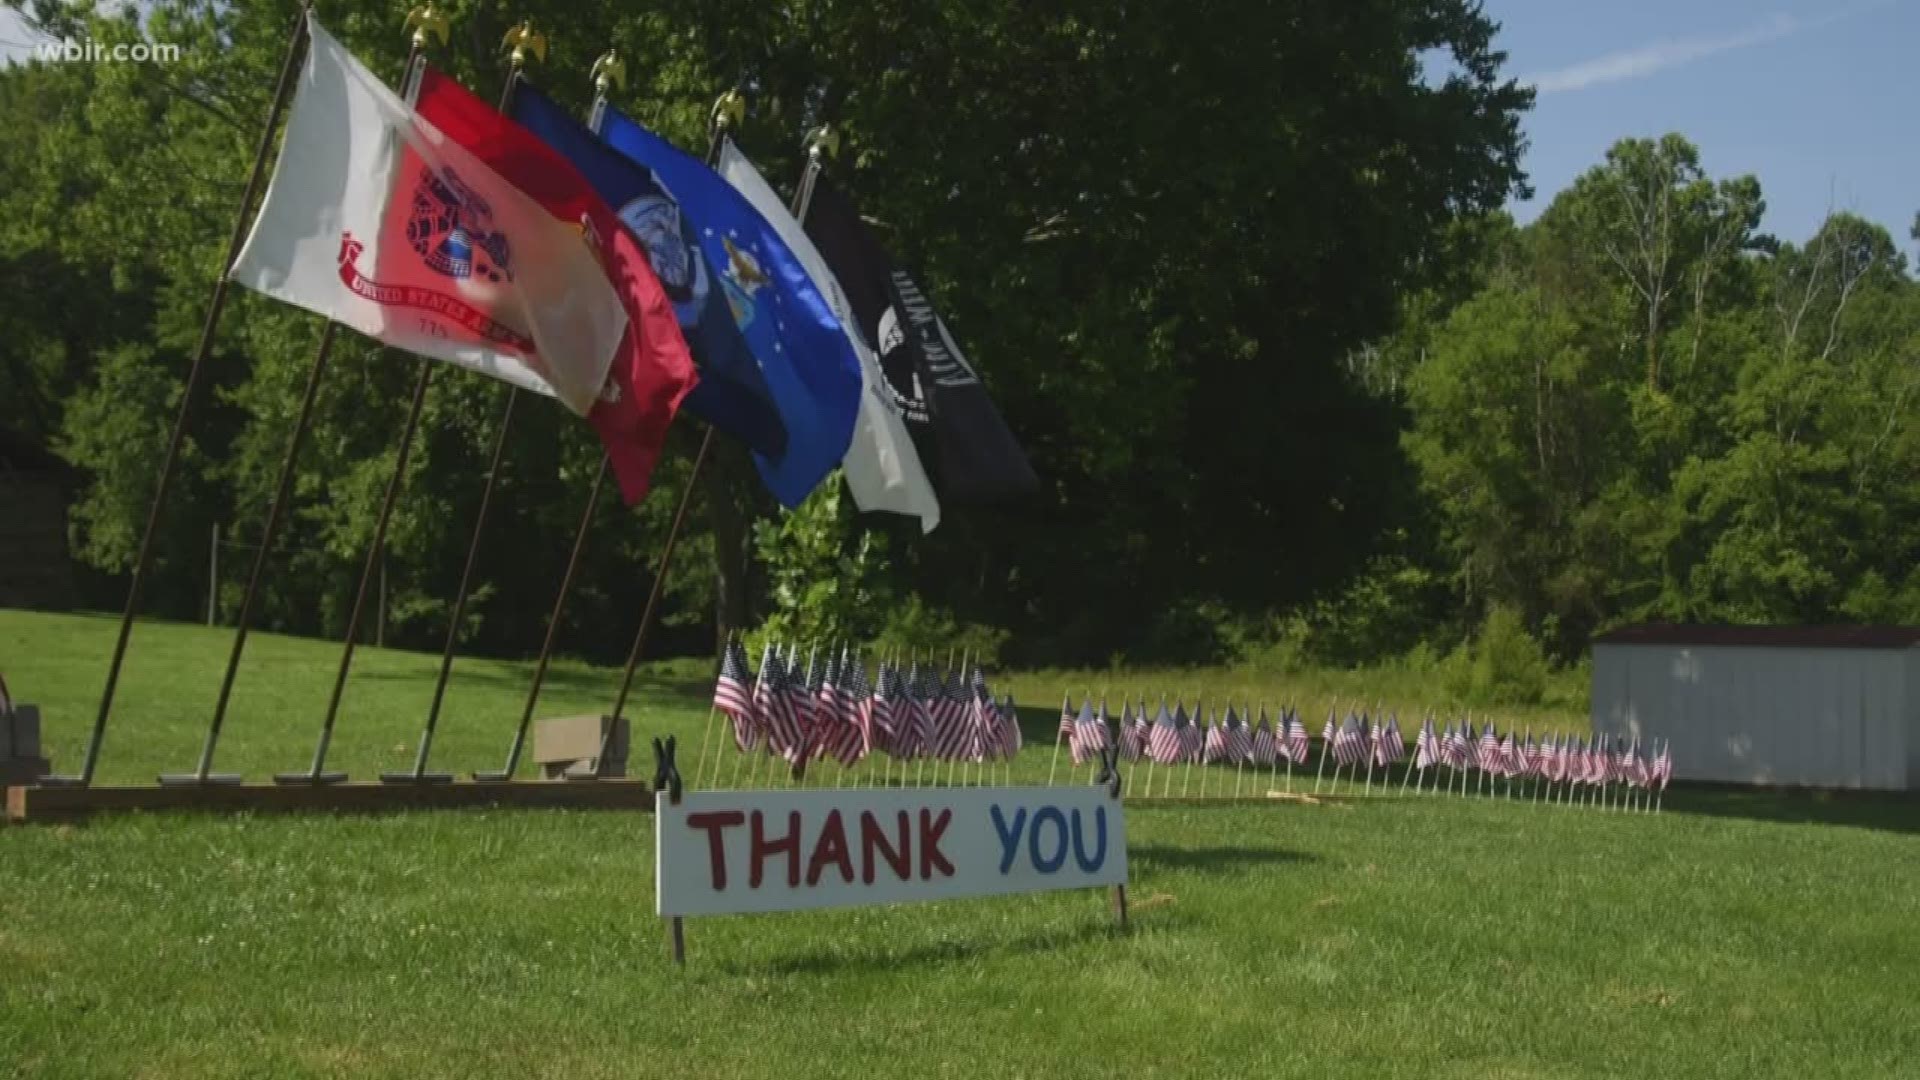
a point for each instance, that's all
(1048, 865)
(1088, 866)
(1009, 838)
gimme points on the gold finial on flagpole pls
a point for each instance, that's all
(823, 142)
(425, 21)
(729, 109)
(608, 71)
(524, 39)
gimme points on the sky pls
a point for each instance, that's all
(1820, 100)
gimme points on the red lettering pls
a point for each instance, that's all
(874, 838)
(717, 822)
(831, 848)
(931, 829)
(764, 848)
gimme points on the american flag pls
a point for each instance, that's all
(1239, 739)
(1327, 734)
(884, 722)
(1296, 738)
(1349, 743)
(1191, 739)
(801, 688)
(1213, 742)
(983, 717)
(775, 707)
(952, 733)
(913, 723)
(1453, 747)
(1663, 767)
(1561, 760)
(1067, 716)
(1390, 746)
(1489, 755)
(1164, 744)
(1426, 751)
(1263, 746)
(1090, 733)
(1133, 736)
(1505, 758)
(733, 695)
(1076, 749)
(853, 736)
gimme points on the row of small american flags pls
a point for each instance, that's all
(830, 707)
(1563, 767)
(1596, 769)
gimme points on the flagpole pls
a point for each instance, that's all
(726, 111)
(706, 737)
(283, 88)
(524, 40)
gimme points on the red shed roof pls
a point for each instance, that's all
(1803, 637)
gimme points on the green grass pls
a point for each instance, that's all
(1735, 935)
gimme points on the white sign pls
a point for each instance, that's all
(729, 852)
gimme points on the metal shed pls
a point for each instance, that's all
(1817, 706)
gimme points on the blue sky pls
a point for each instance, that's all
(1820, 101)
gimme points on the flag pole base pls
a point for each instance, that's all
(491, 777)
(290, 779)
(199, 779)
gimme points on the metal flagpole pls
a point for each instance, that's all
(317, 774)
(203, 774)
(283, 88)
(522, 40)
(607, 71)
(728, 110)
(1053, 763)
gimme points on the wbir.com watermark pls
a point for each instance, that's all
(96, 52)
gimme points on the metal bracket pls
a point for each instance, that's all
(666, 776)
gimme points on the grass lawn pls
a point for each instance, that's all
(1735, 935)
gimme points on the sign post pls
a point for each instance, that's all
(735, 852)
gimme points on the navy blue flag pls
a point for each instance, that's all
(808, 362)
(732, 394)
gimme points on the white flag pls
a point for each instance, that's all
(883, 468)
(378, 220)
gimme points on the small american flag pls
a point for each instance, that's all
(1663, 766)
(773, 706)
(983, 716)
(1164, 744)
(733, 696)
(1191, 740)
(1390, 746)
(1010, 737)
(1349, 744)
(1426, 750)
(854, 737)
(951, 731)
(1076, 747)
(1239, 739)
(1296, 738)
(1067, 716)
(882, 708)
(1488, 758)
(1327, 733)
(1213, 743)
(1263, 746)
(1134, 735)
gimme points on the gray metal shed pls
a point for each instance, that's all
(1818, 706)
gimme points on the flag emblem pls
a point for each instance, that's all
(683, 273)
(451, 228)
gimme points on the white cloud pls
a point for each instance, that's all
(1665, 53)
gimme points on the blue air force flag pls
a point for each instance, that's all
(809, 365)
